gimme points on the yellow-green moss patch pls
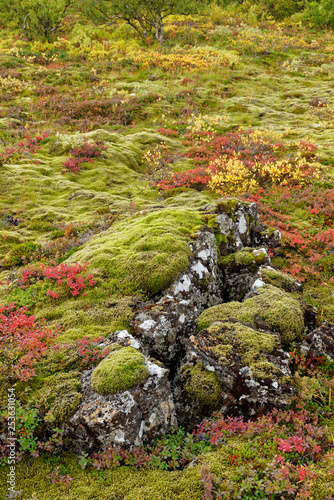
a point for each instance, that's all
(249, 343)
(92, 316)
(201, 384)
(149, 251)
(63, 395)
(281, 280)
(277, 308)
(124, 483)
(120, 370)
(243, 258)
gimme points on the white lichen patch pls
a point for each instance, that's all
(147, 325)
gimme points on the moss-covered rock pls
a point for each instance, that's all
(278, 309)
(246, 257)
(281, 280)
(120, 370)
(240, 271)
(201, 384)
(245, 366)
(252, 345)
(229, 206)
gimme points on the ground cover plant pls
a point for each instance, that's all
(126, 130)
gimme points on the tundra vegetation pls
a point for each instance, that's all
(118, 122)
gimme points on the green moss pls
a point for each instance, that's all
(277, 308)
(20, 252)
(64, 395)
(238, 108)
(120, 370)
(251, 345)
(228, 205)
(280, 262)
(109, 181)
(280, 280)
(220, 238)
(222, 351)
(243, 258)
(201, 384)
(150, 251)
(64, 406)
(124, 483)
(95, 315)
(48, 366)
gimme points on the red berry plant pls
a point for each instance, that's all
(23, 341)
(25, 148)
(86, 153)
(63, 274)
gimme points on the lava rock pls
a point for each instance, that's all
(162, 326)
(246, 365)
(320, 342)
(126, 418)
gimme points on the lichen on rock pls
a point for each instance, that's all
(241, 270)
(249, 364)
(127, 399)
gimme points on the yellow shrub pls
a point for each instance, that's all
(11, 84)
(233, 176)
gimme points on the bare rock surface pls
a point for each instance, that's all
(320, 342)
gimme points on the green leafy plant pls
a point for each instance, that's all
(36, 18)
(144, 16)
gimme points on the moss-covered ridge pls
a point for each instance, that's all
(149, 250)
(244, 258)
(65, 395)
(278, 309)
(41, 191)
(280, 280)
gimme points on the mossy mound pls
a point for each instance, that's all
(120, 370)
(92, 316)
(277, 308)
(201, 384)
(149, 251)
(63, 196)
(60, 392)
(122, 483)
